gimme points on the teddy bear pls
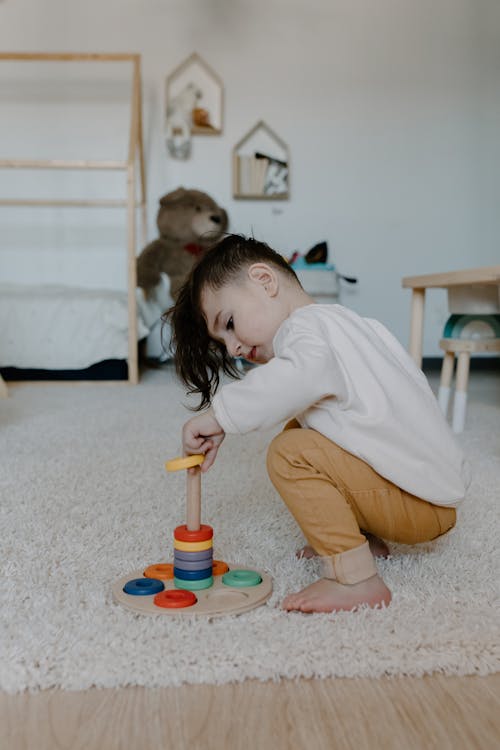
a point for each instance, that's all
(189, 221)
(180, 121)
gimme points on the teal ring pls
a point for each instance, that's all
(202, 583)
(241, 578)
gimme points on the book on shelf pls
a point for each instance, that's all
(244, 169)
(252, 175)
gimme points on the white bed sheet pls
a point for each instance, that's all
(60, 327)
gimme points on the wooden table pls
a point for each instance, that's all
(473, 288)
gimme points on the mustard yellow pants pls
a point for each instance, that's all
(333, 496)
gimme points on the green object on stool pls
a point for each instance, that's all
(474, 327)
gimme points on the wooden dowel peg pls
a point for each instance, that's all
(193, 499)
(193, 486)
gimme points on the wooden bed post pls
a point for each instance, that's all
(135, 151)
(140, 142)
(133, 372)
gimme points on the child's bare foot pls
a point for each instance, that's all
(326, 595)
(378, 548)
(306, 552)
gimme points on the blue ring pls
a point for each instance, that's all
(192, 575)
(143, 587)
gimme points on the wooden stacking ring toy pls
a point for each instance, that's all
(168, 589)
(175, 599)
(219, 567)
(214, 601)
(192, 546)
(143, 587)
(192, 575)
(192, 537)
(161, 571)
(203, 534)
(204, 554)
(241, 578)
(192, 565)
(201, 583)
(187, 462)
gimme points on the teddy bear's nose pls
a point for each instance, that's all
(216, 219)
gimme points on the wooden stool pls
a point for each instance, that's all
(463, 348)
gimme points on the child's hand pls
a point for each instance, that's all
(202, 434)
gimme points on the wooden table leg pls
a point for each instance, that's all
(417, 325)
(460, 402)
(3, 388)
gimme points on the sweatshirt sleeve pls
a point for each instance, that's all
(302, 372)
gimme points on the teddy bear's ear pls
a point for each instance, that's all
(173, 197)
(225, 219)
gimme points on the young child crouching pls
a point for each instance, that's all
(365, 454)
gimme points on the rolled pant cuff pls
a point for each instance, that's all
(349, 567)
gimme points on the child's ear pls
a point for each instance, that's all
(265, 275)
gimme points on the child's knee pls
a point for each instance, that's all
(447, 519)
(436, 523)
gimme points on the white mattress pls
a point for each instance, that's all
(61, 327)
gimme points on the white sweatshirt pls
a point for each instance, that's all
(348, 378)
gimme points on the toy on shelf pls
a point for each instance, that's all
(318, 276)
(195, 583)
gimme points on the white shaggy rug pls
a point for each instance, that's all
(85, 499)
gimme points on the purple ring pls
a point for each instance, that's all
(205, 554)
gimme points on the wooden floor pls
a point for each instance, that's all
(393, 714)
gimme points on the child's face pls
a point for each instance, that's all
(244, 315)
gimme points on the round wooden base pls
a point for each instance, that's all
(218, 600)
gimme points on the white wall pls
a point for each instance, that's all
(391, 109)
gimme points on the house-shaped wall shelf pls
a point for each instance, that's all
(207, 111)
(261, 165)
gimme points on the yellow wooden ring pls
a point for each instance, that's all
(193, 546)
(187, 462)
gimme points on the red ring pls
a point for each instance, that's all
(203, 534)
(175, 599)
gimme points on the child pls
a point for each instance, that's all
(365, 453)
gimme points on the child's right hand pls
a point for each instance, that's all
(203, 434)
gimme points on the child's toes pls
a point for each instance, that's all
(291, 601)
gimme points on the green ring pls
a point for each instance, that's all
(241, 578)
(201, 583)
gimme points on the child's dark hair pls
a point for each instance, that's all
(199, 358)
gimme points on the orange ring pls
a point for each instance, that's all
(185, 462)
(203, 534)
(219, 567)
(160, 571)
